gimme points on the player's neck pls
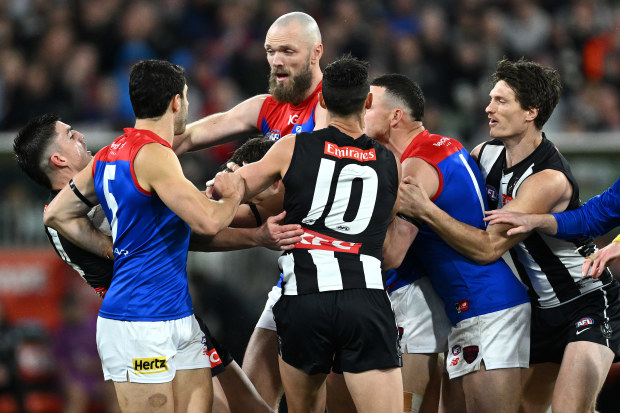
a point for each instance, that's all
(352, 125)
(60, 177)
(162, 127)
(520, 147)
(401, 137)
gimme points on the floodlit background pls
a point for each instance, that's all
(72, 57)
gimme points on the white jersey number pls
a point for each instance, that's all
(335, 218)
(108, 175)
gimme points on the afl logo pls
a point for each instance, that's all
(586, 321)
(273, 135)
(491, 193)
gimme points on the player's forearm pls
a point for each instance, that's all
(398, 239)
(209, 131)
(82, 233)
(474, 243)
(228, 239)
(217, 216)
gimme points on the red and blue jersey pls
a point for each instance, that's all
(150, 241)
(278, 119)
(467, 289)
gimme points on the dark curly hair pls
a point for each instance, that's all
(535, 86)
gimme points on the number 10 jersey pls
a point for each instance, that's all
(342, 191)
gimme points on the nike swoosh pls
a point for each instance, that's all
(581, 331)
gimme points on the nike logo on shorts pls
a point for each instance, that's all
(581, 331)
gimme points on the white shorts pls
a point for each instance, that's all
(150, 351)
(500, 338)
(266, 320)
(420, 312)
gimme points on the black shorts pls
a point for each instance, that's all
(221, 358)
(347, 331)
(595, 317)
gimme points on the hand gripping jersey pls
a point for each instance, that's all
(467, 288)
(95, 270)
(150, 241)
(277, 119)
(596, 217)
(341, 190)
(551, 267)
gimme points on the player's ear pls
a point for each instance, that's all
(322, 101)
(317, 52)
(531, 114)
(368, 103)
(176, 103)
(58, 160)
(397, 115)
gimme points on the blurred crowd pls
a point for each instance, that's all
(72, 56)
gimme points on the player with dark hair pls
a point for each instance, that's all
(334, 312)
(293, 48)
(53, 152)
(162, 361)
(488, 342)
(575, 332)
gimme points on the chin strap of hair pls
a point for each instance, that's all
(79, 194)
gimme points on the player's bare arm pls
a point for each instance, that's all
(273, 205)
(543, 192)
(271, 234)
(400, 233)
(522, 223)
(221, 127)
(273, 166)
(158, 170)
(67, 213)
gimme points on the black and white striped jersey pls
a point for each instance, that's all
(341, 190)
(95, 270)
(550, 267)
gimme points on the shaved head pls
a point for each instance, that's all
(309, 29)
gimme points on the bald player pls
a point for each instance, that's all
(293, 47)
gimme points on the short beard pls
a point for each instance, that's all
(293, 92)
